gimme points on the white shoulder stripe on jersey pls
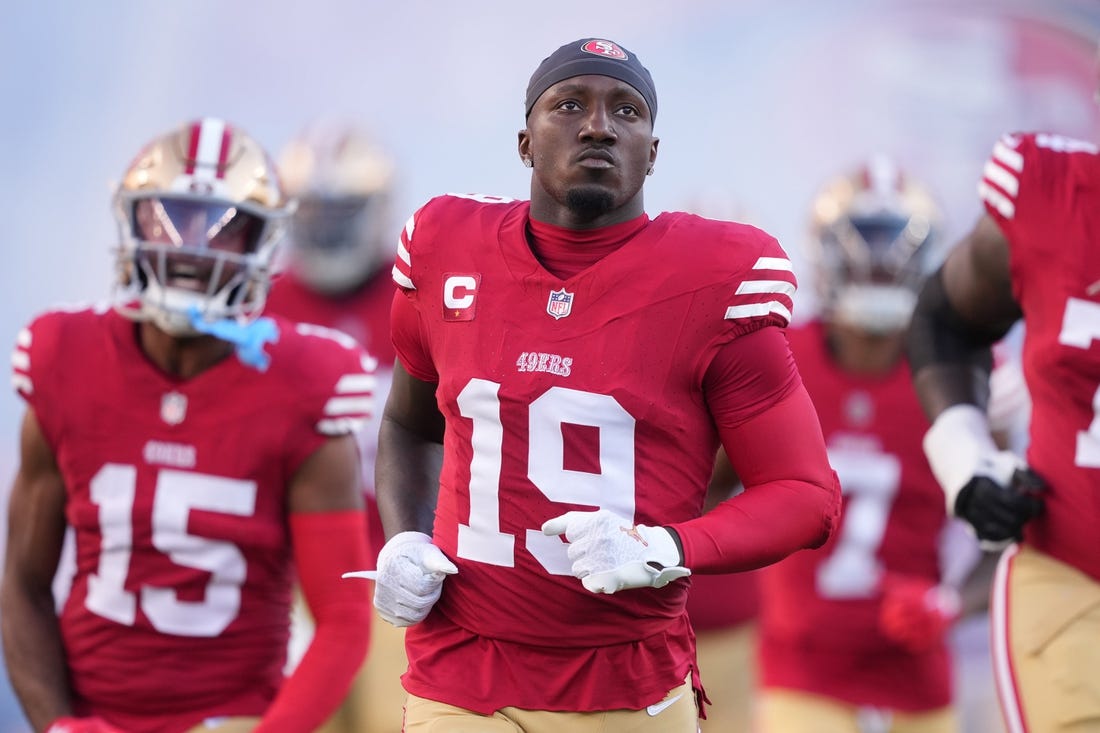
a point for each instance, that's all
(22, 383)
(1008, 157)
(349, 405)
(403, 253)
(773, 263)
(356, 383)
(997, 200)
(410, 226)
(750, 287)
(401, 279)
(23, 338)
(340, 426)
(1004, 180)
(737, 312)
(21, 360)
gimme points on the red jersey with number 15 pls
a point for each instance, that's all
(176, 490)
(1044, 192)
(559, 395)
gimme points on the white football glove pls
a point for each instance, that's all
(610, 553)
(409, 578)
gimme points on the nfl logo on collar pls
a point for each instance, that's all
(560, 303)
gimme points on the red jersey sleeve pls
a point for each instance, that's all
(772, 435)
(408, 341)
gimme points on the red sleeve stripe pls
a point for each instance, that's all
(402, 268)
(1001, 178)
(1005, 153)
(21, 363)
(1004, 205)
(1000, 182)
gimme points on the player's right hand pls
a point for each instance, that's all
(992, 489)
(915, 612)
(82, 725)
(997, 512)
(409, 579)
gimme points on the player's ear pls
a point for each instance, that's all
(524, 147)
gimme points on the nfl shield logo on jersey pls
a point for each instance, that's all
(173, 408)
(560, 303)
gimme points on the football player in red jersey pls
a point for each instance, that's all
(1031, 256)
(578, 364)
(857, 631)
(204, 457)
(338, 276)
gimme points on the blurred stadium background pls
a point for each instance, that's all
(760, 101)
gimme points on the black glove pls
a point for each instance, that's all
(999, 513)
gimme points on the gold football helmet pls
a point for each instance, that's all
(200, 214)
(340, 233)
(870, 245)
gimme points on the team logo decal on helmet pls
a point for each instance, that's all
(607, 49)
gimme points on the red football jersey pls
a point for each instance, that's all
(176, 490)
(717, 602)
(819, 622)
(1044, 192)
(365, 316)
(567, 394)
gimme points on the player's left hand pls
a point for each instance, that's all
(915, 612)
(610, 553)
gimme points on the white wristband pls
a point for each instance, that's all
(955, 446)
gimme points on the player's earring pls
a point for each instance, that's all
(649, 171)
(528, 163)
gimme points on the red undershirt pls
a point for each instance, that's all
(565, 252)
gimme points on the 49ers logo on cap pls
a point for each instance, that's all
(605, 48)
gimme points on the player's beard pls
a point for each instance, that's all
(589, 202)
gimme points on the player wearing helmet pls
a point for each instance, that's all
(197, 483)
(338, 275)
(852, 638)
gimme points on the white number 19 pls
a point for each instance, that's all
(612, 488)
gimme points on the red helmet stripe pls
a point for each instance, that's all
(193, 147)
(210, 138)
(223, 154)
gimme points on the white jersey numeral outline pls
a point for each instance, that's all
(113, 490)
